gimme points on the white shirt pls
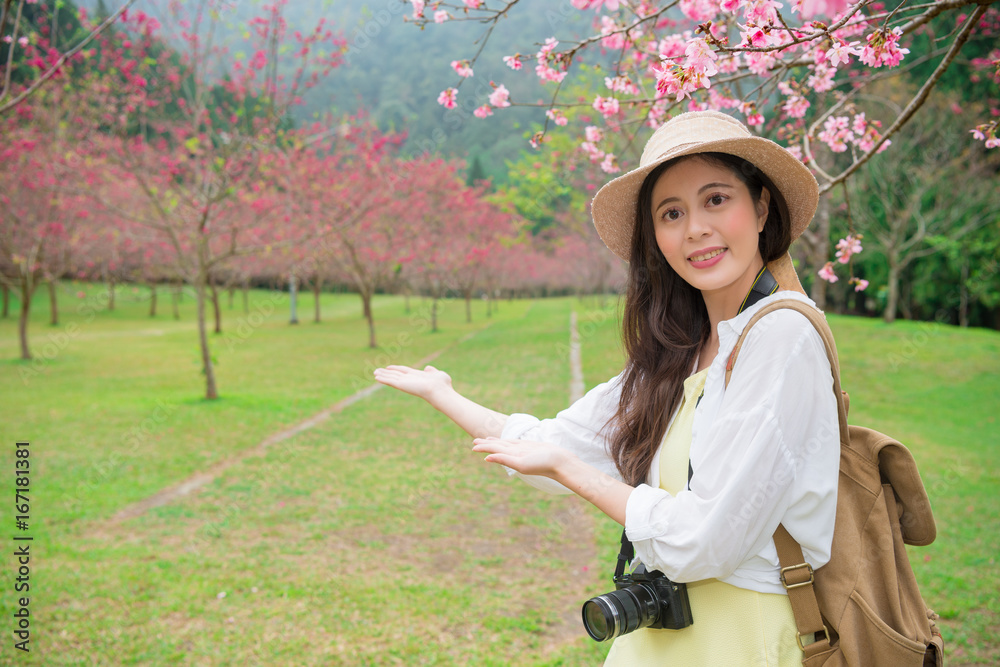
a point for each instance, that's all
(765, 451)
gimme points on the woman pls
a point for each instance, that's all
(698, 473)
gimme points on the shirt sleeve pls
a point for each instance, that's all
(770, 456)
(577, 429)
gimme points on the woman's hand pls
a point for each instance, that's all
(527, 457)
(423, 384)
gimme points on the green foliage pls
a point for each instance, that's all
(925, 204)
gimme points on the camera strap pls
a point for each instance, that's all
(763, 285)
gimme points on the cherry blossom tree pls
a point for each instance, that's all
(30, 34)
(201, 153)
(798, 72)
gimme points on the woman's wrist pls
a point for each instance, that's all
(439, 397)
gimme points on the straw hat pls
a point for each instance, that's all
(615, 205)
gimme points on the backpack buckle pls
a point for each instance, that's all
(800, 635)
(788, 586)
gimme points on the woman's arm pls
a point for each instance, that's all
(435, 387)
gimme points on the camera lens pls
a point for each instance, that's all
(619, 612)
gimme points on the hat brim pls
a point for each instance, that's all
(615, 205)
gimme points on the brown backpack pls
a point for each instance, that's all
(864, 605)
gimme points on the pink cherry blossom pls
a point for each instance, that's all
(759, 62)
(821, 80)
(859, 124)
(513, 62)
(611, 41)
(499, 96)
(700, 10)
(418, 8)
(473, 4)
(544, 71)
(701, 57)
(762, 12)
(447, 98)
(754, 117)
(837, 135)
(840, 52)
(556, 116)
(461, 67)
(860, 284)
(440, 16)
(609, 164)
(672, 46)
(847, 247)
(621, 84)
(22, 41)
(829, 8)
(883, 48)
(796, 106)
(483, 111)
(593, 134)
(593, 151)
(608, 106)
(827, 274)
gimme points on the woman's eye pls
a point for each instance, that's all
(671, 214)
(717, 200)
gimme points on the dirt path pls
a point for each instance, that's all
(198, 480)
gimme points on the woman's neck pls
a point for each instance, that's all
(724, 304)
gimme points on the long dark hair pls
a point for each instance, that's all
(665, 322)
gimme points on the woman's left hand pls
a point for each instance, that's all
(528, 457)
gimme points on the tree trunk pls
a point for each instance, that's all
(434, 315)
(963, 297)
(906, 299)
(53, 303)
(366, 303)
(818, 251)
(293, 290)
(111, 291)
(22, 325)
(232, 296)
(246, 296)
(317, 286)
(206, 355)
(176, 294)
(5, 293)
(215, 306)
(152, 299)
(893, 299)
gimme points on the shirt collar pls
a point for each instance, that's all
(736, 325)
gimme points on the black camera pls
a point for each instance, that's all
(642, 600)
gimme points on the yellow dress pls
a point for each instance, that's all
(732, 626)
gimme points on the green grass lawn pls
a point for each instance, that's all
(377, 538)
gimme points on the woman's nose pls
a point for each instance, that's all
(697, 227)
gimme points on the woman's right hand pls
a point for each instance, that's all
(422, 383)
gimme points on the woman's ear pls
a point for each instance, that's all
(763, 206)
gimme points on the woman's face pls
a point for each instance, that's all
(707, 224)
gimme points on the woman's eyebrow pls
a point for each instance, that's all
(707, 186)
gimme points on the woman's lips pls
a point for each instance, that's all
(713, 257)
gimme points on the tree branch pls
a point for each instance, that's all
(59, 63)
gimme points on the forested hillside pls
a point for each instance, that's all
(400, 91)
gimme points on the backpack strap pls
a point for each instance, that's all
(796, 574)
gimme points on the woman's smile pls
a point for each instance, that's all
(706, 258)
